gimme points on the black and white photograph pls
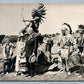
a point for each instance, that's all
(42, 42)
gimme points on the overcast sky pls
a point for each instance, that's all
(11, 20)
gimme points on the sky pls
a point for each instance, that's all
(41, 1)
(57, 14)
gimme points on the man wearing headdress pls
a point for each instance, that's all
(65, 42)
(32, 36)
(37, 18)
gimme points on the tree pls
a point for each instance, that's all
(1, 38)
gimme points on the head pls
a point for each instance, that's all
(64, 31)
(7, 42)
(45, 39)
(20, 34)
(22, 38)
(80, 29)
(29, 30)
(67, 29)
(36, 18)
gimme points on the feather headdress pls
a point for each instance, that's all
(68, 27)
(40, 12)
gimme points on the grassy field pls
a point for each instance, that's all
(48, 76)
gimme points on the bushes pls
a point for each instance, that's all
(13, 38)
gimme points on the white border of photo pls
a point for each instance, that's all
(41, 1)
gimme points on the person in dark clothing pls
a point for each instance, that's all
(31, 53)
(80, 39)
(31, 35)
(8, 56)
(7, 66)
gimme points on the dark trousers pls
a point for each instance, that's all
(7, 66)
(31, 68)
(13, 61)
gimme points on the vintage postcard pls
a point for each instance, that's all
(42, 42)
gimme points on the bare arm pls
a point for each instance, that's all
(27, 20)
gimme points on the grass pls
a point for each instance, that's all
(48, 76)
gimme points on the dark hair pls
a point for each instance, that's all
(81, 26)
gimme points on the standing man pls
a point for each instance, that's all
(80, 41)
(32, 36)
(65, 42)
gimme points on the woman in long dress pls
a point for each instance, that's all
(20, 53)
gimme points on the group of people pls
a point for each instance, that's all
(25, 51)
(31, 48)
(66, 52)
(69, 49)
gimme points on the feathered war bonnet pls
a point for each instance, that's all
(39, 13)
(69, 27)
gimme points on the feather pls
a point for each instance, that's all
(39, 12)
(68, 27)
